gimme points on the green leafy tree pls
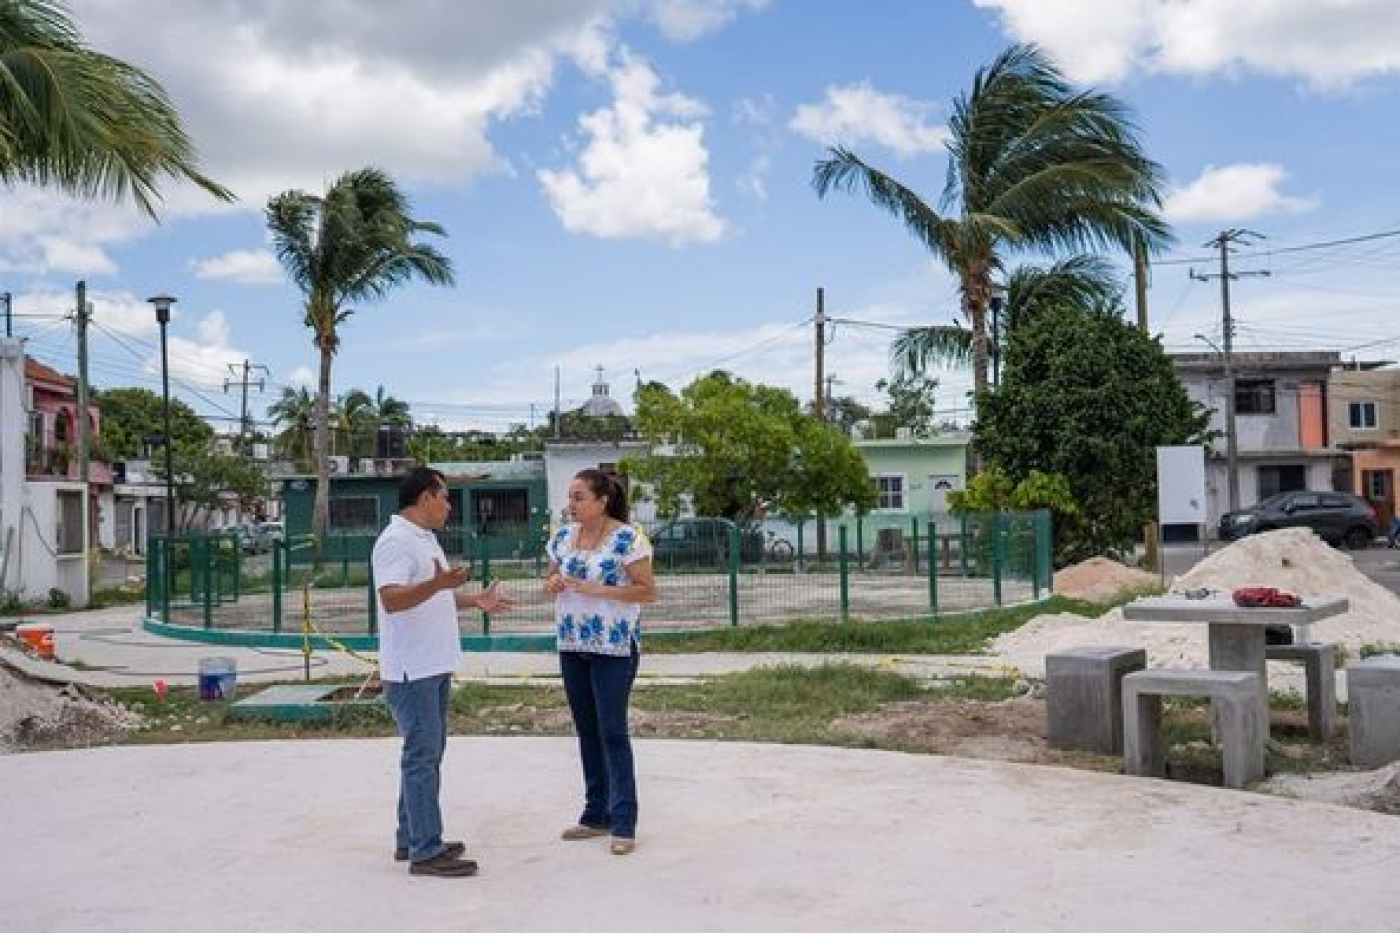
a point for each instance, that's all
(1089, 397)
(1034, 164)
(845, 411)
(352, 245)
(993, 491)
(207, 479)
(83, 122)
(729, 444)
(1084, 281)
(133, 420)
(294, 414)
(911, 405)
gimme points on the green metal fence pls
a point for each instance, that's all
(710, 573)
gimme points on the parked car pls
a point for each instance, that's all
(1337, 517)
(702, 542)
(251, 539)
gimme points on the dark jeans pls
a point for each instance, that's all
(598, 687)
(420, 710)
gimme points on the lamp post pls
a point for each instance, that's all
(1232, 476)
(162, 305)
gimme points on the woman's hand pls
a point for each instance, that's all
(554, 584)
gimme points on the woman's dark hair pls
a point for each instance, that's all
(606, 486)
(418, 481)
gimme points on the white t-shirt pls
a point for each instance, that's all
(422, 641)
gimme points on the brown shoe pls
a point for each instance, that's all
(583, 831)
(444, 866)
(453, 849)
(622, 845)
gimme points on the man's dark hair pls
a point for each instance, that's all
(418, 481)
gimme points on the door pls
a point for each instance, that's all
(939, 486)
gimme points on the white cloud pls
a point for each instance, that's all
(684, 20)
(205, 360)
(1327, 45)
(858, 113)
(1234, 193)
(302, 377)
(43, 232)
(640, 174)
(250, 267)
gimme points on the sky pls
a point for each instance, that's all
(626, 184)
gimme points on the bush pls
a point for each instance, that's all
(59, 599)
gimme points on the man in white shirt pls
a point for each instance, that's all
(419, 650)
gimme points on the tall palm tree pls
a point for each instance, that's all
(1033, 166)
(295, 414)
(1080, 281)
(354, 244)
(81, 121)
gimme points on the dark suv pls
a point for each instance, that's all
(702, 542)
(1337, 517)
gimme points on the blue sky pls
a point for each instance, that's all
(626, 184)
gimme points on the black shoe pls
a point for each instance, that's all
(453, 849)
(444, 866)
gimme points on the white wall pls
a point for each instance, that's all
(562, 461)
(41, 568)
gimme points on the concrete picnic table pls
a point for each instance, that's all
(1235, 633)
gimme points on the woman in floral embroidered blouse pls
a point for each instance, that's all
(600, 575)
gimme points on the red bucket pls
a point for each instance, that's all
(38, 636)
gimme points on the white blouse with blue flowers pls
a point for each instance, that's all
(592, 623)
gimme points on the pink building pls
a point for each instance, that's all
(51, 450)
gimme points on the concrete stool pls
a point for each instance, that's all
(1373, 698)
(1319, 668)
(1235, 699)
(1084, 696)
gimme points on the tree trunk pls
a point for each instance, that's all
(320, 509)
(976, 291)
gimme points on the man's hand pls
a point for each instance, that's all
(448, 578)
(554, 584)
(492, 600)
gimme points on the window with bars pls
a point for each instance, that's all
(354, 513)
(889, 490)
(69, 522)
(1254, 397)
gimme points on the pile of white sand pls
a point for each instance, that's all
(1099, 579)
(37, 715)
(1292, 559)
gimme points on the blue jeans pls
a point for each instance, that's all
(598, 686)
(420, 710)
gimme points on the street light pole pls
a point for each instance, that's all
(162, 305)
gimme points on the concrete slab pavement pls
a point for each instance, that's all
(296, 836)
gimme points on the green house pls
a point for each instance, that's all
(913, 476)
(498, 508)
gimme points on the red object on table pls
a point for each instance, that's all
(1266, 596)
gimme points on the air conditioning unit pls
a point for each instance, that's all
(364, 466)
(904, 434)
(339, 464)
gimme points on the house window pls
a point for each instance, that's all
(1285, 478)
(1254, 397)
(36, 428)
(69, 522)
(889, 489)
(1362, 415)
(354, 513)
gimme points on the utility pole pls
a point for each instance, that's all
(244, 383)
(558, 406)
(9, 300)
(1140, 281)
(83, 312)
(818, 402)
(1224, 242)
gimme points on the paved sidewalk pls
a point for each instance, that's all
(296, 836)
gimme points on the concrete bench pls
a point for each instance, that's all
(1235, 700)
(1373, 700)
(1084, 697)
(1319, 670)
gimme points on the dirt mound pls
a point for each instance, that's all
(1099, 579)
(1292, 559)
(36, 715)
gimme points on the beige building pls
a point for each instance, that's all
(1363, 415)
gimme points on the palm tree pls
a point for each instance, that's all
(295, 414)
(1033, 166)
(83, 122)
(353, 244)
(1080, 281)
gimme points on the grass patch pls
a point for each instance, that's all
(961, 634)
(1373, 649)
(116, 596)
